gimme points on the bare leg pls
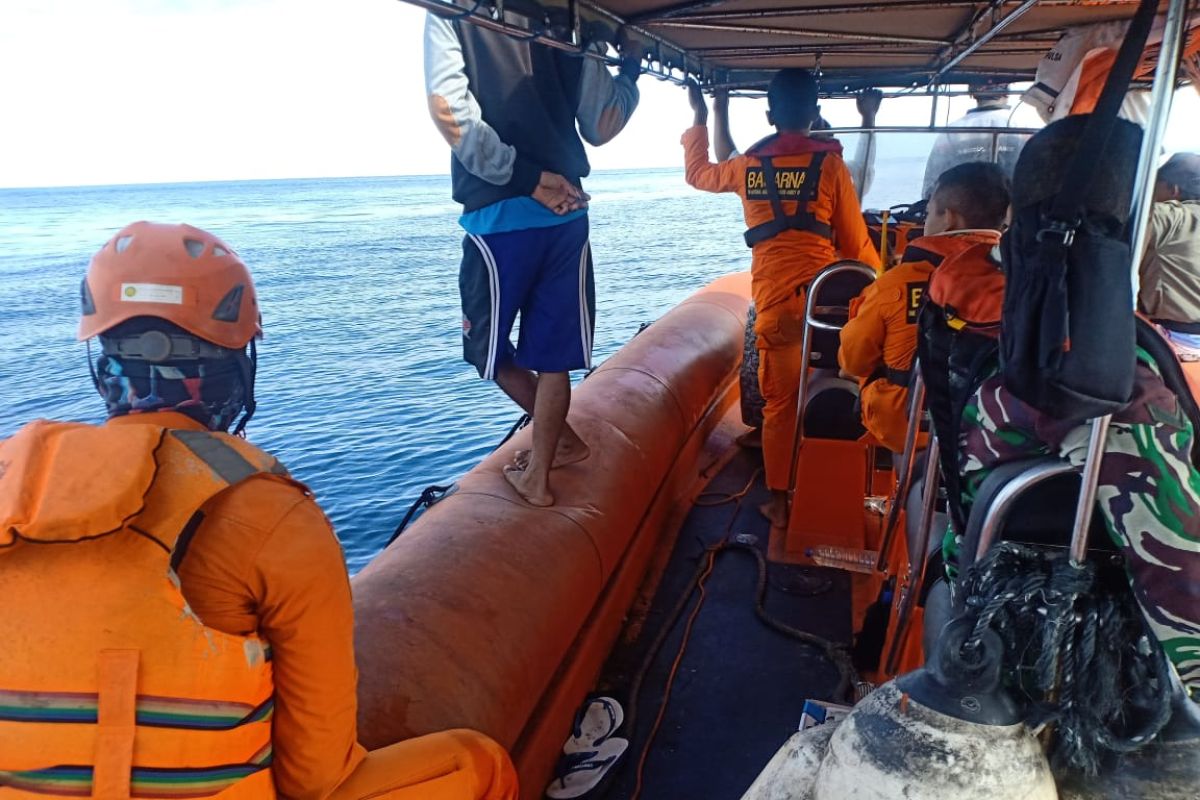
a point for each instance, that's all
(775, 509)
(552, 402)
(521, 385)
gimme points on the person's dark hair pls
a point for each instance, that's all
(1046, 158)
(977, 190)
(988, 90)
(1183, 172)
(792, 99)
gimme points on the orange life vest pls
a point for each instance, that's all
(879, 342)
(110, 686)
(970, 289)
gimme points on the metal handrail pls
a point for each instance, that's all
(917, 562)
(992, 129)
(654, 53)
(908, 461)
(810, 322)
(998, 510)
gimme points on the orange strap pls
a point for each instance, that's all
(117, 671)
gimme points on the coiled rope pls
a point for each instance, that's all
(1077, 648)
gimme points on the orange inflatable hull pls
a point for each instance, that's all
(491, 614)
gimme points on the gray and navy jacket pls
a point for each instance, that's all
(509, 108)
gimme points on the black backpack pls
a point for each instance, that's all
(954, 360)
(1067, 342)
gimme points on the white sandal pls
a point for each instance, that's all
(594, 724)
(581, 772)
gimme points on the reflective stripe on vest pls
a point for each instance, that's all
(802, 219)
(116, 689)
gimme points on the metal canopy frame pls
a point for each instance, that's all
(737, 43)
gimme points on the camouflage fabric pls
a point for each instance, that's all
(1149, 494)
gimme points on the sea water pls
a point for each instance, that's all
(361, 389)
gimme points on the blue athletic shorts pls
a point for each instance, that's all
(545, 275)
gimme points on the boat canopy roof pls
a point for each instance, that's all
(861, 43)
(853, 43)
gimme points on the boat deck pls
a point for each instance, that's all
(740, 686)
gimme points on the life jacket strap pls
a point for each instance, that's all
(228, 463)
(897, 377)
(803, 219)
(117, 673)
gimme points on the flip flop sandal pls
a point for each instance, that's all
(594, 723)
(580, 773)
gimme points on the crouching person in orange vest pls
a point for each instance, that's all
(968, 207)
(175, 613)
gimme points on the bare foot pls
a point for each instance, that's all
(775, 511)
(569, 451)
(533, 494)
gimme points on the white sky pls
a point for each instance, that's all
(132, 91)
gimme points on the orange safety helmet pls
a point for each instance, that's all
(173, 272)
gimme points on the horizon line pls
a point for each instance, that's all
(446, 175)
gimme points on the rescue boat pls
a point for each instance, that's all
(491, 614)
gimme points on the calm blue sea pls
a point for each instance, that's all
(361, 389)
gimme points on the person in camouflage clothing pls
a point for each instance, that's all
(1149, 494)
(1149, 488)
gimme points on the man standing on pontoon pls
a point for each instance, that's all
(513, 112)
(951, 149)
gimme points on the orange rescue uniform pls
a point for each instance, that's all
(879, 342)
(782, 266)
(263, 563)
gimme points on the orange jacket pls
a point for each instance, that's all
(1093, 72)
(264, 562)
(266, 559)
(784, 263)
(882, 332)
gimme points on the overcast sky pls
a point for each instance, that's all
(131, 91)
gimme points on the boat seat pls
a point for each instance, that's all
(833, 308)
(831, 411)
(1042, 514)
(1043, 517)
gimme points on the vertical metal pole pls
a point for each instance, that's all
(916, 411)
(1160, 110)
(1087, 490)
(916, 561)
(933, 107)
(1143, 199)
(801, 398)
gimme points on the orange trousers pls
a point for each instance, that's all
(449, 765)
(779, 333)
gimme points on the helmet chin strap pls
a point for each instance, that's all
(92, 369)
(249, 369)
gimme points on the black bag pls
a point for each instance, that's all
(1067, 342)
